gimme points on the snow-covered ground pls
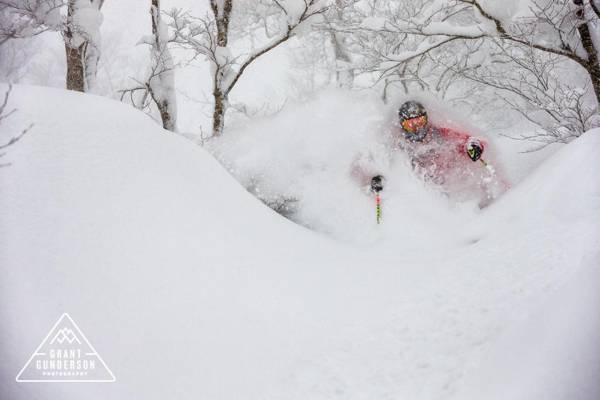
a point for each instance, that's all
(190, 288)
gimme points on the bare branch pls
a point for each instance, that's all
(3, 116)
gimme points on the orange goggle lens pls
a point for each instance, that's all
(414, 124)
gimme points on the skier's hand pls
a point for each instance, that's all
(474, 149)
(377, 184)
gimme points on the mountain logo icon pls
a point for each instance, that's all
(65, 335)
(65, 355)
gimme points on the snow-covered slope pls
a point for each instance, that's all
(190, 288)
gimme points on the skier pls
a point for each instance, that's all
(438, 154)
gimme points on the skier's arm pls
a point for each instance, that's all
(468, 145)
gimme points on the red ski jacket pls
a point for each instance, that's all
(441, 151)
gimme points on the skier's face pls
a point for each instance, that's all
(414, 125)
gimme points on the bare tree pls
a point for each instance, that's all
(526, 60)
(158, 86)
(570, 23)
(537, 86)
(4, 113)
(80, 29)
(210, 37)
(161, 86)
(82, 43)
(344, 68)
(22, 19)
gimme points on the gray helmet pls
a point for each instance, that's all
(414, 128)
(411, 109)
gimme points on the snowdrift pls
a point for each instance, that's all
(191, 288)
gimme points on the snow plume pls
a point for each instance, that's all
(288, 159)
(301, 161)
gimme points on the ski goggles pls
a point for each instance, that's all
(414, 124)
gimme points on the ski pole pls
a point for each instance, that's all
(488, 166)
(376, 187)
(378, 207)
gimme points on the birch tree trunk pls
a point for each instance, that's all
(161, 82)
(222, 13)
(585, 29)
(75, 54)
(344, 73)
(82, 43)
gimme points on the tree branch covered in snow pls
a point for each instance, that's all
(79, 26)
(538, 91)
(159, 83)
(209, 37)
(516, 48)
(21, 19)
(81, 35)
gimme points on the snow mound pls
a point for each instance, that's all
(189, 287)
